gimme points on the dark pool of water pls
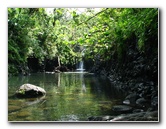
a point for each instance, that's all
(70, 97)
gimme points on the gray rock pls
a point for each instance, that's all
(100, 118)
(154, 102)
(132, 98)
(106, 118)
(121, 108)
(141, 102)
(135, 116)
(126, 102)
(137, 110)
(95, 118)
(140, 116)
(30, 91)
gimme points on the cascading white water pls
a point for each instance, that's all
(81, 66)
(81, 63)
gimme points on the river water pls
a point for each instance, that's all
(70, 97)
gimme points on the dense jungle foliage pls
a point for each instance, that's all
(63, 33)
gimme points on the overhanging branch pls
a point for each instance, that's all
(92, 17)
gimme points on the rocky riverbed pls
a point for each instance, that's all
(139, 116)
(137, 75)
(140, 103)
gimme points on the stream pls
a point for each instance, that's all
(71, 96)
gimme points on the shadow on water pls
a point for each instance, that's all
(70, 97)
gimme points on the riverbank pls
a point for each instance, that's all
(136, 73)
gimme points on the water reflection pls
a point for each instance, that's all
(82, 82)
(69, 97)
(31, 101)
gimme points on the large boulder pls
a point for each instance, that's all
(30, 91)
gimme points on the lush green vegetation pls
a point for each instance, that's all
(64, 33)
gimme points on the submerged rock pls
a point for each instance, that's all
(32, 101)
(29, 91)
(141, 116)
(137, 116)
(100, 118)
(122, 108)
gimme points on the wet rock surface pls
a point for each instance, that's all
(122, 108)
(141, 116)
(29, 91)
(137, 106)
(137, 75)
(140, 104)
(138, 116)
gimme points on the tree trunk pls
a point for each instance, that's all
(59, 61)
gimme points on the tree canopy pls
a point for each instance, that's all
(65, 32)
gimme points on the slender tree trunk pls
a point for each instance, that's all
(59, 61)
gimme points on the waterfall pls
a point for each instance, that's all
(81, 66)
(81, 63)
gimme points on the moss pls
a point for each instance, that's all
(13, 108)
(21, 91)
(23, 114)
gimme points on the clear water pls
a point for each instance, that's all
(70, 97)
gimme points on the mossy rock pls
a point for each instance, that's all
(29, 91)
